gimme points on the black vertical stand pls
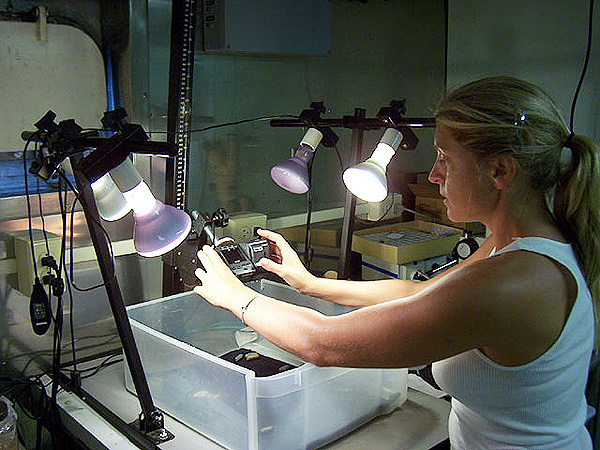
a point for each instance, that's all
(179, 119)
(345, 260)
(150, 421)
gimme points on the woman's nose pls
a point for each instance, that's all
(435, 175)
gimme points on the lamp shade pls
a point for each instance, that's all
(158, 228)
(367, 180)
(110, 202)
(292, 175)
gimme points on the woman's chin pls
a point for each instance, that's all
(453, 217)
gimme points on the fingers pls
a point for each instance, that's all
(280, 242)
(267, 234)
(198, 290)
(272, 236)
(270, 265)
(204, 260)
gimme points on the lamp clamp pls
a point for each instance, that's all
(185, 258)
(330, 139)
(312, 117)
(397, 108)
(393, 117)
(59, 141)
(114, 120)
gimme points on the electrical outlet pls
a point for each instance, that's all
(22, 249)
(241, 226)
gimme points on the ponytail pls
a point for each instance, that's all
(577, 210)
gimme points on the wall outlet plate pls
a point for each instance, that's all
(388, 208)
(241, 226)
(23, 255)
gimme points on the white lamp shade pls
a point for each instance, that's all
(367, 180)
(110, 202)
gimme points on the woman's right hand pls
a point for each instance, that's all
(287, 264)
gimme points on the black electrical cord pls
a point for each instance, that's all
(41, 212)
(585, 64)
(61, 266)
(240, 122)
(339, 157)
(56, 287)
(29, 217)
(308, 251)
(90, 372)
(309, 204)
(70, 279)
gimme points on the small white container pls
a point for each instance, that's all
(180, 338)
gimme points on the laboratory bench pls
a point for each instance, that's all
(420, 423)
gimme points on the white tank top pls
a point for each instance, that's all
(538, 405)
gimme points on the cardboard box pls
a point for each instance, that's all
(376, 269)
(327, 233)
(429, 240)
(429, 202)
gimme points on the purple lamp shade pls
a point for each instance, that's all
(157, 228)
(160, 230)
(292, 175)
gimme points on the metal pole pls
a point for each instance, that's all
(344, 263)
(151, 420)
(179, 117)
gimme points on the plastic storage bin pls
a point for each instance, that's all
(180, 339)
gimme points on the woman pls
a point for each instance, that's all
(511, 329)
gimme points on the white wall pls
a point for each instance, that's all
(541, 41)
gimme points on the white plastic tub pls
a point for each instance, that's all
(180, 339)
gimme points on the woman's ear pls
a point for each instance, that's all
(504, 170)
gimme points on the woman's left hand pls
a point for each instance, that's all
(219, 285)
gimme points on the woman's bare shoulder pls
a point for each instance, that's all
(522, 298)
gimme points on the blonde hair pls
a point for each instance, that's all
(499, 115)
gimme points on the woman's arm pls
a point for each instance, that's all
(345, 292)
(288, 266)
(494, 304)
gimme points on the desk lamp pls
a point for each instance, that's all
(158, 228)
(392, 119)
